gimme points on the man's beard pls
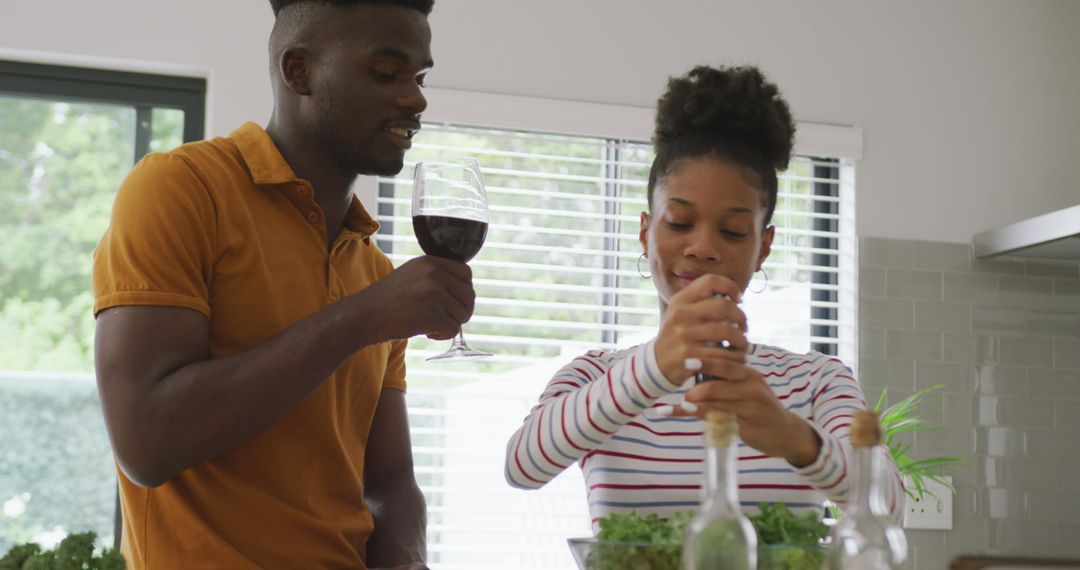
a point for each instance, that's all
(352, 153)
(357, 157)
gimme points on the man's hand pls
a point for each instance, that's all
(427, 295)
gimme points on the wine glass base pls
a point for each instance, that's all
(459, 353)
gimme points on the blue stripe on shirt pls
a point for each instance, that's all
(648, 372)
(626, 389)
(654, 445)
(551, 432)
(790, 380)
(577, 424)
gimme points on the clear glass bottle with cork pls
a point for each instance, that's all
(720, 536)
(866, 538)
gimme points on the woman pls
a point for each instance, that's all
(721, 136)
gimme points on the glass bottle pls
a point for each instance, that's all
(720, 536)
(866, 538)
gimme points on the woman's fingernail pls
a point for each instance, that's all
(664, 411)
(688, 407)
(692, 364)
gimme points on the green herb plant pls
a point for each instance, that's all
(900, 418)
(75, 552)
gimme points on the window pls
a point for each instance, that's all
(557, 276)
(70, 135)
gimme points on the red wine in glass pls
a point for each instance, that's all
(450, 220)
(459, 239)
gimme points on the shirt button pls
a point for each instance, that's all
(313, 217)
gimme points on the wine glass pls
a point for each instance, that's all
(450, 220)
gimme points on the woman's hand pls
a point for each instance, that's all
(699, 317)
(764, 423)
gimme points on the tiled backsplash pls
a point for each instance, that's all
(1003, 337)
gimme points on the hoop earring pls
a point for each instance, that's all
(639, 271)
(765, 286)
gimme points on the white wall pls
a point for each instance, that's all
(969, 108)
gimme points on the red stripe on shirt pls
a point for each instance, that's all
(570, 383)
(540, 442)
(517, 460)
(833, 430)
(786, 370)
(592, 361)
(793, 392)
(583, 373)
(633, 372)
(836, 417)
(611, 390)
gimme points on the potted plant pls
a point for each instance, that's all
(902, 417)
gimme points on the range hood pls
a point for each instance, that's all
(1050, 236)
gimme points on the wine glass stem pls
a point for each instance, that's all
(459, 340)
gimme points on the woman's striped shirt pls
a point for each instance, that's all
(592, 412)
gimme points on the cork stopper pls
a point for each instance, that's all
(720, 428)
(865, 431)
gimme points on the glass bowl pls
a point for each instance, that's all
(591, 554)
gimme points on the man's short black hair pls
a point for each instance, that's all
(422, 6)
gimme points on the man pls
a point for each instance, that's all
(250, 335)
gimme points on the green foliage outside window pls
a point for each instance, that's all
(60, 166)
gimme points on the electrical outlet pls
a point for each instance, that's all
(933, 510)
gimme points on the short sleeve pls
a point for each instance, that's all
(395, 366)
(159, 248)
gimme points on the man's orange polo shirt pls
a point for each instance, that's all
(225, 228)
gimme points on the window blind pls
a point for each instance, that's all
(558, 276)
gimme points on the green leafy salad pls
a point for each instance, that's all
(776, 525)
(633, 542)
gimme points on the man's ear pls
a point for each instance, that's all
(294, 70)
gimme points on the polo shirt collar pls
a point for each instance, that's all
(358, 221)
(268, 167)
(262, 156)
